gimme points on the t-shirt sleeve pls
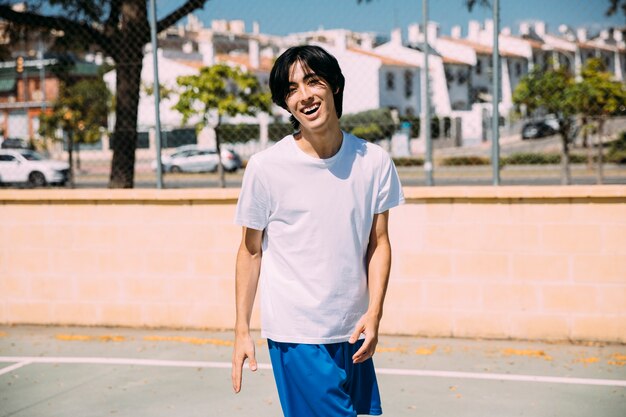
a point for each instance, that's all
(390, 189)
(253, 206)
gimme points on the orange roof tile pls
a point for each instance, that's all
(384, 59)
(589, 45)
(265, 63)
(192, 64)
(447, 60)
(480, 48)
(535, 44)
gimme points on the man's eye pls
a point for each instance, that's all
(314, 81)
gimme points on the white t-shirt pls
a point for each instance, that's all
(317, 215)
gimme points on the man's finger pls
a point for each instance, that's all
(362, 351)
(253, 364)
(355, 334)
(236, 375)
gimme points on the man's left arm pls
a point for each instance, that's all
(378, 267)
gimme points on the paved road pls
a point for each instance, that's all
(83, 372)
(410, 176)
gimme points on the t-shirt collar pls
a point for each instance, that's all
(320, 161)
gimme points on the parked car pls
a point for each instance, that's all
(540, 129)
(30, 167)
(191, 158)
(14, 143)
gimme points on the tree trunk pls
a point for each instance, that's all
(78, 156)
(599, 162)
(134, 33)
(566, 176)
(220, 167)
(585, 130)
(70, 148)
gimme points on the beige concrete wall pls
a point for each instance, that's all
(536, 263)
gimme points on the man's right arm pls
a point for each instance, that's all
(246, 282)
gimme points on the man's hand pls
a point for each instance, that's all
(244, 348)
(368, 325)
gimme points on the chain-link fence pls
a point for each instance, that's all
(77, 85)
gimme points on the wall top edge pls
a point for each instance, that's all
(230, 195)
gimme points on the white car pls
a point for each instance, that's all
(191, 158)
(26, 166)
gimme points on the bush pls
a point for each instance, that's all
(415, 124)
(540, 159)
(407, 161)
(242, 132)
(617, 150)
(363, 121)
(276, 131)
(465, 160)
(530, 159)
(371, 132)
(617, 157)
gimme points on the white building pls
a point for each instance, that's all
(439, 99)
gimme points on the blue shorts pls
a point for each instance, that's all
(322, 381)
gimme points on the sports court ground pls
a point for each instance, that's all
(83, 372)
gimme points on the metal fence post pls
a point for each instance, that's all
(495, 99)
(157, 94)
(428, 163)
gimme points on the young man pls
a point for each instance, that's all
(314, 210)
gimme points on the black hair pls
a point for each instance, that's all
(312, 57)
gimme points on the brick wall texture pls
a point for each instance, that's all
(549, 263)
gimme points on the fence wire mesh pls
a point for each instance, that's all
(77, 87)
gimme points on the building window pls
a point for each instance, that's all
(479, 66)
(408, 84)
(518, 69)
(461, 77)
(391, 81)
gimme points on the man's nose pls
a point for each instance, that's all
(305, 93)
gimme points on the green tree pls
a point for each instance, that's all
(80, 112)
(218, 91)
(120, 29)
(550, 91)
(614, 5)
(164, 91)
(596, 97)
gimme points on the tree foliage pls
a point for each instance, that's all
(218, 91)
(597, 95)
(550, 90)
(221, 90)
(81, 108)
(614, 5)
(118, 28)
(593, 98)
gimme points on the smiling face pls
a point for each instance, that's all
(310, 99)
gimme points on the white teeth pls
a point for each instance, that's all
(311, 109)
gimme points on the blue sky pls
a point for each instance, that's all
(280, 17)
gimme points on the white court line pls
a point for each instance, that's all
(383, 371)
(12, 368)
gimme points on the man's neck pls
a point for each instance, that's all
(321, 144)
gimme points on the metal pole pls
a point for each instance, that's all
(428, 163)
(495, 99)
(157, 95)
